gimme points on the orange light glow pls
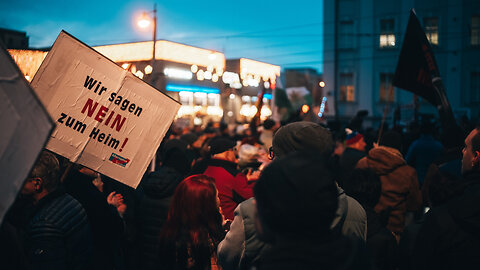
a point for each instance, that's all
(305, 108)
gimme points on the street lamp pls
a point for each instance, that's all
(144, 22)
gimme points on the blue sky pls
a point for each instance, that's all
(285, 33)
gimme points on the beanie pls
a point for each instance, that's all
(302, 136)
(353, 137)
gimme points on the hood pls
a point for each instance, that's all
(384, 159)
(161, 183)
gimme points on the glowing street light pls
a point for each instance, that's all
(144, 21)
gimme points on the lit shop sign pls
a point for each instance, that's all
(190, 88)
(178, 73)
(232, 79)
(267, 96)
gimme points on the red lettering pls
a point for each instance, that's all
(101, 113)
(109, 118)
(91, 108)
(118, 122)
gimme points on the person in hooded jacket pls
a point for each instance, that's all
(155, 194)
(449, 237)
(400, 190)
(288, 191)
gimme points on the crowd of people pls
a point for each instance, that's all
(280, 196)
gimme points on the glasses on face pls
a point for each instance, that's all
(270, 153)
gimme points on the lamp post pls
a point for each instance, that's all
(144, 22)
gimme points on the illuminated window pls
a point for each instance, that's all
(387, 33)
(475, 87)
(475, 31)
(347, 88)
(431, 29)
(200, 99)
(386, 87)
(346, 35)
(213, 100)
(186, 98)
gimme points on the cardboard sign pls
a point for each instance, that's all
(25, 126)
(107, 119)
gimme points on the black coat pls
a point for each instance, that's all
(58, 234)
(327, 252)
(106, 224)
(450, 236)
(155, 193)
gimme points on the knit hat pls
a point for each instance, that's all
(302, 136)
(220, 144)
(297, 194)
(352, 137)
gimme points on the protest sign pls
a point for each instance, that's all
(25, 127)
(107, 119)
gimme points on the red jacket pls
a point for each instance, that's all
(232, 185)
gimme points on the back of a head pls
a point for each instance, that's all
(302, 135)
(391, 139)
(194, 203)
(364, 186)
(268, 124)
(47, 168)
(296, 194)
(177, 159)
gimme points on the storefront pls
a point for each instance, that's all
(244, 80)
(188, 74)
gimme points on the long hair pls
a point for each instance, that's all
(194, 224)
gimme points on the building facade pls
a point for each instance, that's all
(363, 39)
(198, 78)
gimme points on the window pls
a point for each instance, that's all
(431, 29)
(346, 35)
(387, 33)
(347, 89)
(386, 87)
(475, 31)
(213, 100)
(199, 99)
(186, 98)
(475, 87)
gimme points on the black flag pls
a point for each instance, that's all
(417, 70)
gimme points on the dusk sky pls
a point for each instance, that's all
(285, 33)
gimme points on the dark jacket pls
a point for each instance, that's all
(58, 234)
(232, 185)
(326, 252)
(381, 243)
(400, 191)
(450, 236)
(106, 224)
(155, 193)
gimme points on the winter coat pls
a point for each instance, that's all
(450, 236)
(350, 217)
(242, 249)
(232, 185)
(400, 191)
(155, 193)
(320, 252)
(58, 234)
(106, 224)
(381, 243)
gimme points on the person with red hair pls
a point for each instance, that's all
(193, 229)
